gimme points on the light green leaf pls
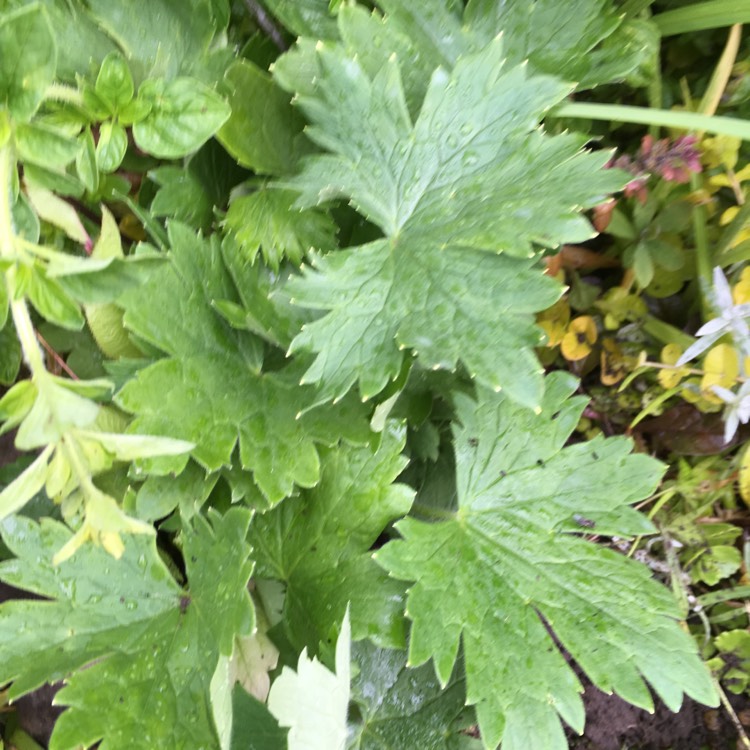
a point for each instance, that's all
(29, 55)
(263, 132)
(56, 211)
(17, 403)
(111, 146)
(45, 146)
(86, 167)
(25, 485)
(132, 447)
(403, 707)
(137, 651)
(55, 410)
(319, 545)
(52, 301)
(473, 178)
(265, 221)
(114, 83)
(184, 114)
(221, 702)
(517, 482)
(313, 701)
(211, 389)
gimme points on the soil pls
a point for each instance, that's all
(613, 724)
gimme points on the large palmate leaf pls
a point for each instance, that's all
(462, 197)
(510, 568)
(319, 543)
(212, 386)
(137, 651)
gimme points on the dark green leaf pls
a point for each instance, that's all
(254, 727)
(319, 543)
(403, 707)
(263, 132)
(10, 354)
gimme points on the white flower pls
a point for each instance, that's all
(731, 321)
(737, 409)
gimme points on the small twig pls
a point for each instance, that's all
(61, 363)
(742, 735)
(266, 24)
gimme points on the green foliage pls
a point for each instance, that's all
(227, 251)
(129, 624)
(517, 482)
(457, 219)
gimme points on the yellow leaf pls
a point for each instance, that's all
(670, 378)
(580, 337)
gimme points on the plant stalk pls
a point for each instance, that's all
(19, 310)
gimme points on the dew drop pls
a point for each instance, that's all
(452, 141)
(466, 129)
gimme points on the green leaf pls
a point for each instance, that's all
(402, 707)
(29, 54)
(526, 570)
(254, 727)
(313, 701)
(159, 496)
(58, 212)
(25, 485)
(114, 83)
(86, 166)
(52, 302)
(111, 147)
(141, 650)
(304, 17)
(10, 354)
(164, 38)
(319, 545)
(576, 28)
(181, 196)
(211, 390)
(473, 178)
(184, 114)
(263, 132)
(265, 221)
(45, 146)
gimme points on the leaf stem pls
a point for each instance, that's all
(647, 116)
(19, 310)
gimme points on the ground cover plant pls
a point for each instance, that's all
(374, 374)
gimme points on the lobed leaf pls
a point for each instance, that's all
(472, 178)
(510, 569)
(319, 544)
